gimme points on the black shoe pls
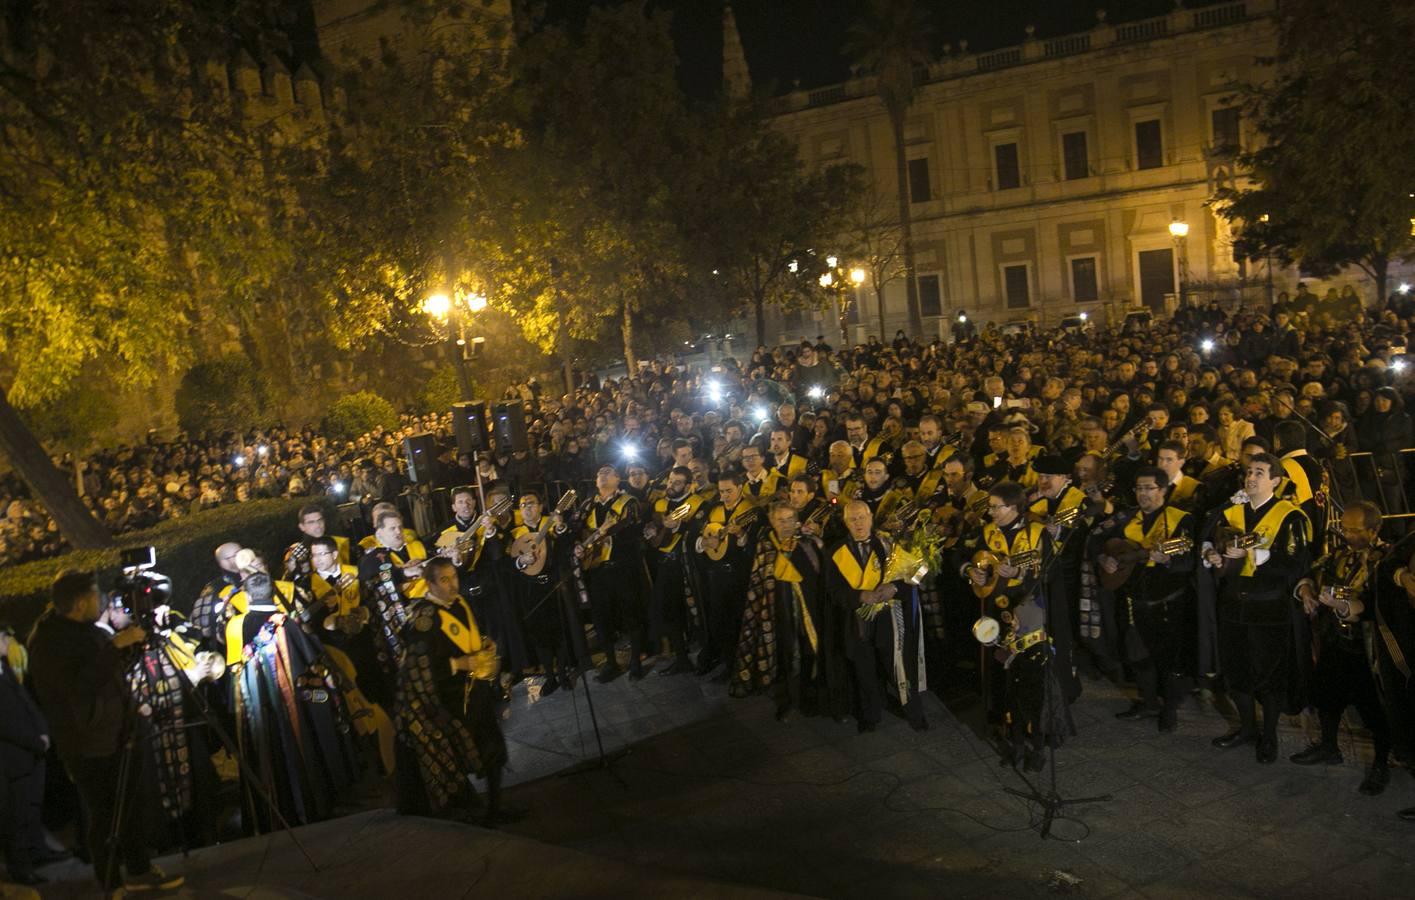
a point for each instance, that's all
(1234, 739)
(1138, 710)
(1267, 752)
(551, 685)
(1169, 720)
(637, 673)
(1407, 814)
(1317, 755)
(680, 666)
(722, 677)
(607, 673)
(920, 724)
(706, 664)
(1377, 777)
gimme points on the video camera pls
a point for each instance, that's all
(139, 589)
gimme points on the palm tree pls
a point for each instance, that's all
(892, 42)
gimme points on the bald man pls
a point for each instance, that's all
(208, 612)
(884, 645)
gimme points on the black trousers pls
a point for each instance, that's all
(725, 600)
(1340, 678)
(873, 657)
(21, 805)
(97, 781)
(616, 605)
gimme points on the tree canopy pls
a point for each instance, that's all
(1332, 179)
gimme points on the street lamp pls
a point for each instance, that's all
(438, 306)
(1179, 230)
(476, 302)
(444, 309)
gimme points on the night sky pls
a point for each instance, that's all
(787, 40)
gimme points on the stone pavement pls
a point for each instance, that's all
(811, 807)
(717, 791)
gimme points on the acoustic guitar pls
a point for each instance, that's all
(725, 533)
(533, 543)
(1130, 554)
(990, 562)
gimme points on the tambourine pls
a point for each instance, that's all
(987, 630)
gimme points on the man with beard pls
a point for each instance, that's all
(1157, 599)
(674, 602)
(1258, 643)
(537, 555)
(785, 461)
(1338, 598)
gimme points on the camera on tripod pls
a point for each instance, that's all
(140, 590)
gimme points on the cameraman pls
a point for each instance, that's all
(79, 676)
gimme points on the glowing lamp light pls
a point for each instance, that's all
(239, 460)
(340, 487)
(832, 261)
(857, 275)
(714, 392)
(1179, 228)
(262, 449)
(1399, 365)
(629, 451)
(437, 306)
(1207, 345)
(827, 280)
(962, 317)
(793, 266)
(1085, 316)
(1403, 289)
(762, 413)
(476, 302)
(816, 392)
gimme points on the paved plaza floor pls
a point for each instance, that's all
(715, 793)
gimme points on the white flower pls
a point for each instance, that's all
(1239, 498)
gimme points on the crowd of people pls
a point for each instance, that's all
(1179, 506)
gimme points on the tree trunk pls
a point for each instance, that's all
(631, 364)
(906, 231)
(1380, 265)
(879, 302)
(759, 306)
(49, 486)
(562, 345)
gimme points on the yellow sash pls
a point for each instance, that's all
(662, 507)
(1165, 525)
(861, 579)
(1029, 537)
(1298, 487)
(787, 572)
(764, 488)
(1070, 498)
(236, 625)
(466, 636)
(412, 551)
(348, 598)
(592, 522)
(1266, 528)
(795, 465)
(1184, 488)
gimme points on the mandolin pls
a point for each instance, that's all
(533, 544)
(726, 532)
(990, 562)
(1130, 554)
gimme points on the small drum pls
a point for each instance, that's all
(987, 630)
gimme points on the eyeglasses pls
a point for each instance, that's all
(993, 506)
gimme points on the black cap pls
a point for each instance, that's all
(1050, 464)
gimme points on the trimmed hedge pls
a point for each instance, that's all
(185, 550)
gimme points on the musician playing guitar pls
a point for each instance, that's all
(535, 560)
(1061, 507)
(1155, 597)
(726, 547)
(1259, 547)
(1015, 674)
(611, 553)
